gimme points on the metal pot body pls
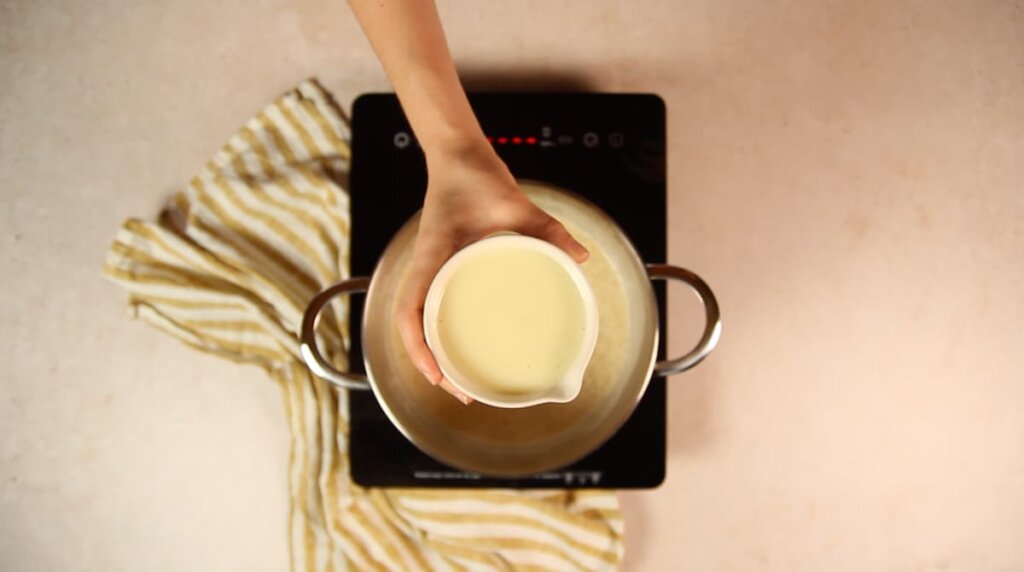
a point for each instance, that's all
(516, 442)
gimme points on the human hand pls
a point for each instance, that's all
(470, 194)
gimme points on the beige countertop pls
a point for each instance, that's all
(849, 177)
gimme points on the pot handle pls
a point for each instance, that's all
(712, 318)
(307, 335)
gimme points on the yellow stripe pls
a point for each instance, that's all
(132, 259)
(174, 276)
(282, 146)
(299, 409)
(603, 513)
(380, 537)
(175, 334)
(319, 103)
(272, 333)
(223, 156)
(396, 535)
(180, 202)
(276, 264)
(144, 265)
(275, 134)
(449, 550)
(497, 544)
(282, 295)
(394, 520)
(331, 169)
(506, 498)
(283, 232)
(313, 179)
(312, 149)
(218, 344)
(318, 177)
(457, 567)
(304, 556)
(168, 277)
(307, 140)
(188, 282)
(336, 143)
(148, 265)
(326, 402)
(317, 503)
(324, 449)
(548, 495)
(225, 348)
(241, 349)
(509, 519)
(286, 186)
(283, 382)
(233, 325)
(356, 546)
(190, 304)
(304, 217)
(329, 562)
(315, 201)
(380, 498)
(289, 298)
(215, 264)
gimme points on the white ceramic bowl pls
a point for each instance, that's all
(569, 386)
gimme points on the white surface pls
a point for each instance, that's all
(846, 175)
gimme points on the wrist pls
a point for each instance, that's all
(453, 141)
(458, 146)
(461, 163)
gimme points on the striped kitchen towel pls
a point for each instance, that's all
(229, 267)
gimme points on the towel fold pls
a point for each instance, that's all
(229, 268)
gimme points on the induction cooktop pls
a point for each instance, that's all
(609, 148)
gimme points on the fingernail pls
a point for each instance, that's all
(464, 399)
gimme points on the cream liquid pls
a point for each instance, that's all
(511, 320)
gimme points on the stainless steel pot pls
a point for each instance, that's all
(514, 442)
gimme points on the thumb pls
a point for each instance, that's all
(555, 232)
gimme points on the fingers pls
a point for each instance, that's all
(409, 317)
(447, 386)
(555, 233)
(427, 260)
(410, 327)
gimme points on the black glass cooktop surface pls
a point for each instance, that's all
(609, 148)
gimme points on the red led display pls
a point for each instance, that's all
(514, 140)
